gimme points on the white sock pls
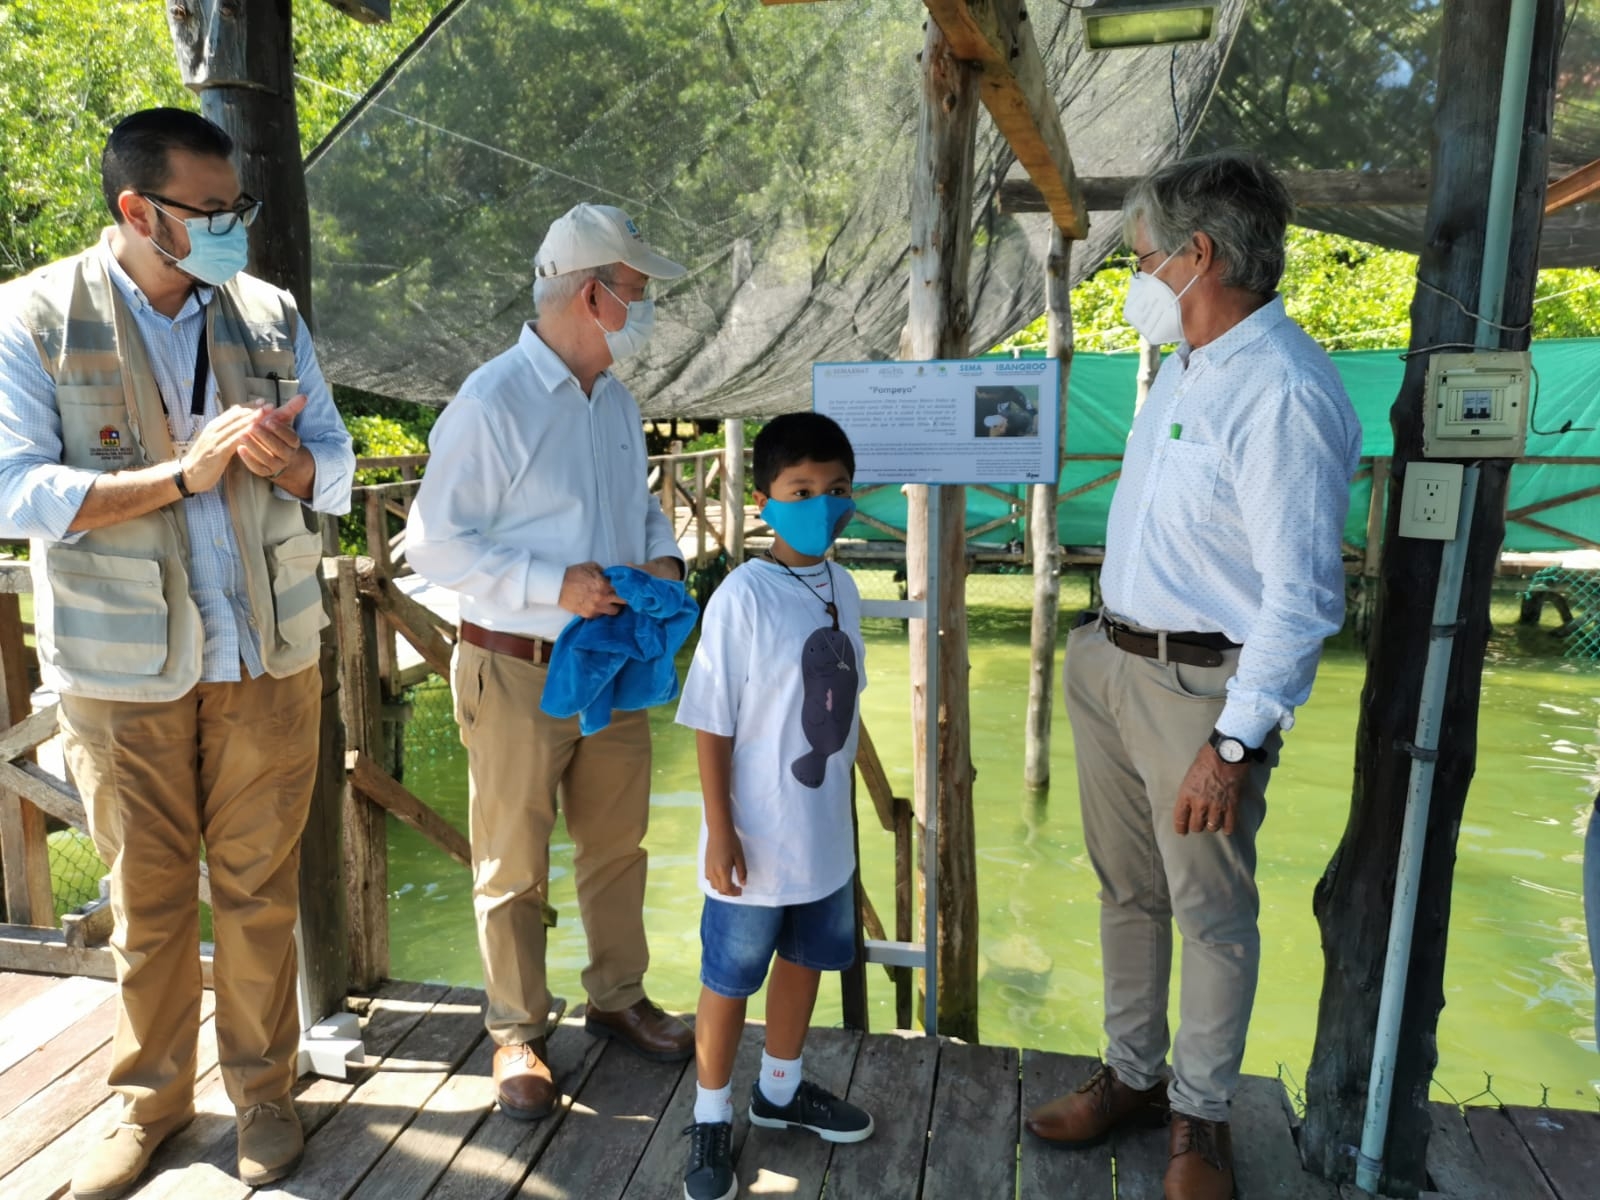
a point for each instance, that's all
(713, 1105)
(780, 1078)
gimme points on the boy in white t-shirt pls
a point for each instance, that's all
(772, 695)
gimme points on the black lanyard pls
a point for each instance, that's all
(829, 606)
(202, 372)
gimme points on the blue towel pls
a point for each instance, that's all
(622, 661)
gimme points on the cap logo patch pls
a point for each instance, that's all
(634, 229)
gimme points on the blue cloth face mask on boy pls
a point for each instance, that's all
(809, 525)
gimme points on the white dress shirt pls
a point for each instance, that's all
(526, 477)
(1231, 506)
(40, 497)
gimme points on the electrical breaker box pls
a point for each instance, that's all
(1476, 405)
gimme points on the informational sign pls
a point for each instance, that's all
(960, 421)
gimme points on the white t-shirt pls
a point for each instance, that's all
(773, 674)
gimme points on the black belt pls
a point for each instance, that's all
(1191, 649)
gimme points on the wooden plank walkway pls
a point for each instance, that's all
(419, 1122)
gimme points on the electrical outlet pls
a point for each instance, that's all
(1431, 500)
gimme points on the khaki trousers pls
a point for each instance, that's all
(230, 766)
(1136, 726)
(520, 763)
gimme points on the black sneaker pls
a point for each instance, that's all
(710, 1173)
(813, 1108)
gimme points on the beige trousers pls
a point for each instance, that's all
(520, 764)
(230, 766)
(1136, 726)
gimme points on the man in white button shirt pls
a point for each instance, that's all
(536, 483)
(1222, 577)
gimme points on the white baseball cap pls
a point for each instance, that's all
(595, 235)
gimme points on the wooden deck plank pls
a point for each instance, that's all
(18, 986)
(55, 1109)
(1047, 1171)
(58, 1055)
(202, 1161)
(1140, 1157)
(1266, 1159)
(606, 1129)
(352, 1141)
(495, 1159)
(789, 1163)
(45, 1014)
(972, 1134)
(1506, 1158)
(1454, 1165)
(894, 1081)
(659, 1175)
(1566, 1145)
(48, 1172)
(413, 1164)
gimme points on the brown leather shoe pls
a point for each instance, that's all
(271, 1142)
(645, 1029)
(115, 1164)
(523, 1083)
(1084, 1117)
(1199, 1160)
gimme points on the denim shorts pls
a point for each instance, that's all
(737, 941)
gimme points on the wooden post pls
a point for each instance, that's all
(389, 750)
(941, 243)
(1375, 507)
(669, 483)
(1149, 365)
(733, 490)
(24, 853)
(701, 467)
(1353, 900)
(239, 58)
(366, 843)
(1046, 537)
(853, 979)
(904, 896)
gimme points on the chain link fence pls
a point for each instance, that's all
(1575, 593)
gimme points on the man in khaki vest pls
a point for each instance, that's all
(164, 432)
(535, 484)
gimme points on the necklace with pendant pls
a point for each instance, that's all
(828, 606)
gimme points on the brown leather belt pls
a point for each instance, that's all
(1191, 649)
(530, 649)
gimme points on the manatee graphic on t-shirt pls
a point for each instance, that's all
(830, 678)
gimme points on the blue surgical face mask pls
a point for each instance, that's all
(213, 258)
(636, 329)
(809, 525)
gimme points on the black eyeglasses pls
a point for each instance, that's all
(216, 222)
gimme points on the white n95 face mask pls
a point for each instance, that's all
(636, 329)
(1152, 307)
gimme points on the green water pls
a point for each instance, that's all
(1519, 988)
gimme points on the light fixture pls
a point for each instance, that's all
(1129, 24)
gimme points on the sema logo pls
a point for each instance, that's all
(971, 369)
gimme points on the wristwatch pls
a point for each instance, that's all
(1232, 750)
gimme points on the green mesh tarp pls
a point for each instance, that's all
(1100, 391)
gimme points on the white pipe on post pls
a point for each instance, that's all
(930, 759)
(1446, 609)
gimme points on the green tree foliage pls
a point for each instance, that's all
(70, 68)
(1349, 295)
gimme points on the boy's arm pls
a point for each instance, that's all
(724, 854)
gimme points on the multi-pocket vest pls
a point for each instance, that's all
(112, 609)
